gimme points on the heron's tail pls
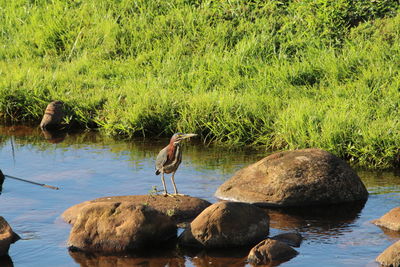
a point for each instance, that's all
(157, 172)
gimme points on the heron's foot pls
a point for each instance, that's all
(165, 194)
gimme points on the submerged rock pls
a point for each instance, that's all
(390, 220)
(7, 237)
(391, 256)
(227, 224)
(53, 116)
(292, 239)
(295, 178)
(269, 250)
(118, 227)
(179, 208)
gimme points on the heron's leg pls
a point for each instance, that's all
(163, 182)
(173, 182)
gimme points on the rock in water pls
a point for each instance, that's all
(120, 227)
(390, 220)
(53, 116)
(227, 224)
(391, 256)
(292, 239)
(7, 237)
(269, 250)
(295, 178)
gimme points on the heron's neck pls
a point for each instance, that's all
(171, 150)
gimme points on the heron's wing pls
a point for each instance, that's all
(161, 159)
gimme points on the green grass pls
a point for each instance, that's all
(279, 74)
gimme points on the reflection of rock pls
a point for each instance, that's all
(322, 219)
(269, 251)
(1, 180)
(295, 178)
(390, 220)
(292, 239)
(390, 233)
(53, 116)
(5, 261)
(391, 255)
(283, 221)
(54, 136)
(227, 224)
(158, 259)
(7, 237)
(119, 227)
(179, 208)
(210, 261)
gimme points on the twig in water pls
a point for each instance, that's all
(20, 179)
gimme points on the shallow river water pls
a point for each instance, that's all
(88, 165)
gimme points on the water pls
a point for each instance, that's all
(87, 166)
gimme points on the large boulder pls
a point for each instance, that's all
(179, 208)
(119, 227)
(7, 237)
(390, 220)
(391, 256)
(269, 251)
(295, 178)
(53, 116)
(227, 224)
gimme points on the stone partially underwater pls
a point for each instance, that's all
(119, 227)
(53, 116)
(127, 223)
(295, 178)
(227, 224)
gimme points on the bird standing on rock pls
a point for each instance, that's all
(169, 158)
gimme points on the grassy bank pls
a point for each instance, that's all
(281, 74)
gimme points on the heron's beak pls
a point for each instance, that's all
(185, 136)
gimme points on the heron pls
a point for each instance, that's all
(169, 158)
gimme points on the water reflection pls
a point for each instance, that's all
(176, 257)
(54, 136)
(156, 259)
(217, 257)
(5, 261)
(226, 161)
(317, 221)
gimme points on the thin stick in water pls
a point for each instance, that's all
(20, 179)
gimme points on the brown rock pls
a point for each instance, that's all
(391, 256)
(7, 237)
(53, 116)
(227, 224)
(119, 227)
(295, 178)
(292, 239)
(179, 208)
(390, 220)
(268, 251)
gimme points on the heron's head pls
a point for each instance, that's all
(178, 137)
